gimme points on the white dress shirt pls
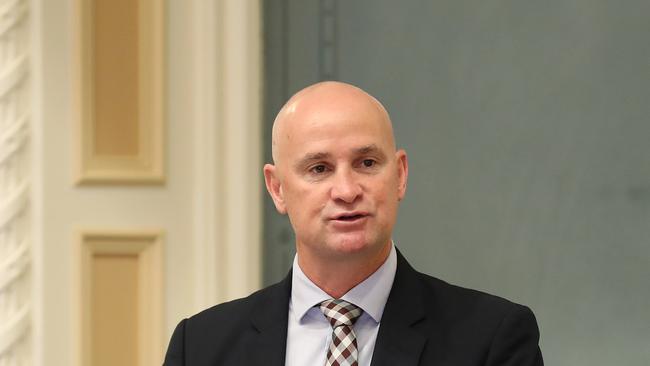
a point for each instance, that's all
(309, 333)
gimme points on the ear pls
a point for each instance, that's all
(402, 173)
(274, 186)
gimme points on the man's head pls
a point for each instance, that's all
(336, 172)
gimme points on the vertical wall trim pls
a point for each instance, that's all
(228, 99)
(328, 55)
(15, 180)
(285, 49)
(206, 152)
(36, 187)
(240, 116)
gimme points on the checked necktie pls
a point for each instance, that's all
(343, 348)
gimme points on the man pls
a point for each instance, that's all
(351, 298)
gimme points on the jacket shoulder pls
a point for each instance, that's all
(221, 334)
(231, 313)
(465, 300)
(480, 326)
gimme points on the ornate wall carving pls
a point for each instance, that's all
(15, 338)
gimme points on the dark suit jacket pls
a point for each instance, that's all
(426, 322)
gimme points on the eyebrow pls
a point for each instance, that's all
(311, 157)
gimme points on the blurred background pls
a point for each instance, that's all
(133, 132)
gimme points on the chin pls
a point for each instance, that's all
(350, 244)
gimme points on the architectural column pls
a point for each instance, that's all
(227, 95)
(15, 167)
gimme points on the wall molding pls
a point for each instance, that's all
(146, 164)
(228, 104)
(15, 180)
(147, 247)
(328, 48)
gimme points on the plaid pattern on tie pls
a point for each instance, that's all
(343, 348)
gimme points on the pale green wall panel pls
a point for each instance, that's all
(527, 125)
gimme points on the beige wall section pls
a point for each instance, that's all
(114, 295)
(191, 207)
(118, 96)
(119, 287)
(115, 45)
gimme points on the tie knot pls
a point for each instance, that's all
(340, 312)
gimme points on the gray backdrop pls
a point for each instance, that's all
(528, 133)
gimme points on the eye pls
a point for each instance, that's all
(368, 163)
(318, 169)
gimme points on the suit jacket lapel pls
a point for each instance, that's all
(268, 342)
(399, 341)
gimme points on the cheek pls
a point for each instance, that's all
(303, 202)
(387, 198)
(387, 188)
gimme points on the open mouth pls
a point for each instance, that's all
(349, 217)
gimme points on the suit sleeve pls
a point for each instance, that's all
(516, 341)
(176, 351)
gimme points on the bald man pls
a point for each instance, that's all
(351, 298)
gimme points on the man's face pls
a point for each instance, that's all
(338, 176)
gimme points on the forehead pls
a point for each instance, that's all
(333, 126)
(335, 133)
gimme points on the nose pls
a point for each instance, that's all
(346, 187)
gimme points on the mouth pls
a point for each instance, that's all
(349, 216)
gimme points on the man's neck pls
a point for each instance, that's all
(338, 276)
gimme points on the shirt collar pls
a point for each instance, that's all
(370, 295)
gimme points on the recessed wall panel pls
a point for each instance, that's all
(120, 298)
(119, 91)
(116, 77)
(114, 304)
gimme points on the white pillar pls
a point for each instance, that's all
(228, 105)
(15, 167)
